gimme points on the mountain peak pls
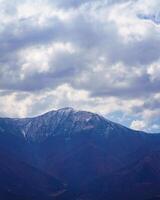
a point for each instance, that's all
(66, 109)
(65, 121)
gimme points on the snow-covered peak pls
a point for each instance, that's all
(65, 121)
(66, 109)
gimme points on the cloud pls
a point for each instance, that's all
(106, 53)
(154, 71)
(138, 125)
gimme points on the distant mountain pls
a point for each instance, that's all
(66, 122)
(78, 155)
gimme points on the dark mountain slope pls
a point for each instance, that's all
(141, 180)
(19, 180)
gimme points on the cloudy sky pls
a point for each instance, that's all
(97, 55)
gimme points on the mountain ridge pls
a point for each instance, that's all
(32, 127)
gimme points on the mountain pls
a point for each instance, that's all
(68, 154)
(18, 181)
(65, 121)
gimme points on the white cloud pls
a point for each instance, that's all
(155, 127)
(154, 71)
(138, 125)
(12, 106)
(37, 59)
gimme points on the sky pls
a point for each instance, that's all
(101, 56)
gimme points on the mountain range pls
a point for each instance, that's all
(77, 155)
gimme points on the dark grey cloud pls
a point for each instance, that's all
(140, 87)
(154, 104)
(77, 3)
(28, 35)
